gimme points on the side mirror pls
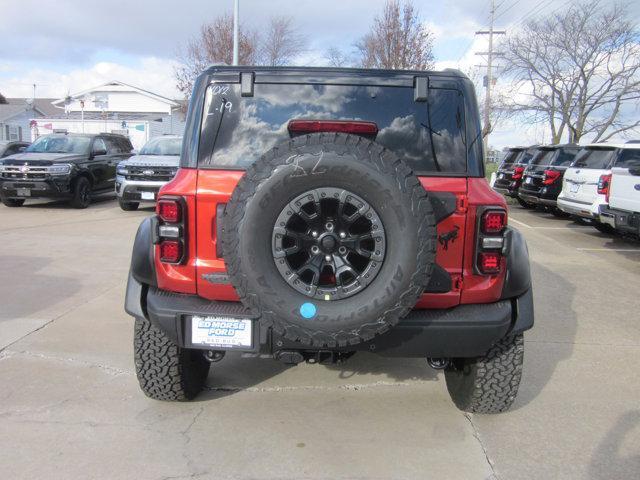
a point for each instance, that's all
(134, 151)
(98, 151)
(21, 149)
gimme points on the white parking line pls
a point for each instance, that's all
(609, 249)
(511, 219)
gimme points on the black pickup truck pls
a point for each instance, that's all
(67, 166)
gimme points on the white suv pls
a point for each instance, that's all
(585, 184)
(623, 211)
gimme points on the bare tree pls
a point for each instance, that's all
(580, 69)
(281, 42)
(214, 44)
(337, 58)
(397, 40)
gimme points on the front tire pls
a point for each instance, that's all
(81, 193)
(166, 371)
(13, 202)
(487, 384)
(128, 206)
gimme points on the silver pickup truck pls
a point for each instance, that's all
(139, 178)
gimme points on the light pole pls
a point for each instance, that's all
(236, 20)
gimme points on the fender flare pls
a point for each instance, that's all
(518, 272)
(142, 258)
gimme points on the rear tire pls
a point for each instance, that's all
(81, 193)
(166, 371)
(487, 384)
(13, 202)
(524, 204)
(128, 206)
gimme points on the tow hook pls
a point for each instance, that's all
(438, 363)
(214, 356)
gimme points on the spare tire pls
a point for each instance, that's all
(329, 239)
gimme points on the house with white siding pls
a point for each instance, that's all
(114, 107)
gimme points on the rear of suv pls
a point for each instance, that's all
(586, 184)
(542, 179)
(511, 171)
(322, 212)
(140, 177)
(623, 191)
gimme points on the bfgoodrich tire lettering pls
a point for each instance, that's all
(487, 384)
(335, 161)
(164, 370)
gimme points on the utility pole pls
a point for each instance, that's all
(486, 128)
(236, 20)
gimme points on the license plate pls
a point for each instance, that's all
(501, 176)
(147, 195)
(574, 188)
(528, 180)
(23, 192)
(221, 332)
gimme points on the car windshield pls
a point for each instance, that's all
(628, 158)
(594, 158)
(162, 146)
(60, 144)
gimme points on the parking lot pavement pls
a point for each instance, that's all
(70, 406)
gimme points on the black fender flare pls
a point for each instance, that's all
(142, 257)
(518, 272)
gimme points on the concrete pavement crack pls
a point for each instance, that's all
(476, 434)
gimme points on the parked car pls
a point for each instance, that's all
(510, 172)
(315, 215)
(140, 177)
(623, 191)
(542, 179)
(585, 184)
(68, 166)
(8, 147)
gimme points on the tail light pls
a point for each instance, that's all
(489, 262)
(170, 251)
(490, 240)
(171, 231)
(550, 176)
(517, 173)
(342, 126)
(493, 221)
(604, 184)
(169, 210)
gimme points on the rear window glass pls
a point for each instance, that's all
(564, 158)
(542, 157)
(510, 157)
(429, 136)
(525, 157)
(594, 158)
(628, 158)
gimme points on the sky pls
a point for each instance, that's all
(65, 46)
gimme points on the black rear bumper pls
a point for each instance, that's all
(463, 331)
(628, 222)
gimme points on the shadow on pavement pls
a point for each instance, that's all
(29, 291)
(389, 368)
(555, 322)
(607, 462)
(64, 204)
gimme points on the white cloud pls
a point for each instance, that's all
(153, 74)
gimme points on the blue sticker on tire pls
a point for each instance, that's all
(308, 310)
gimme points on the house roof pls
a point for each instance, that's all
(116, 83)
(42, 105)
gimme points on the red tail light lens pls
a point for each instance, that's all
(169, 211)
(517, 173)
(550, 176)
(493, 221)
(312, 126)
(489, 262)
(603, 185)
(170, 251)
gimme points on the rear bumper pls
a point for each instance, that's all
(463, 331)
(622, 220)
(579, 208)
(541, 196)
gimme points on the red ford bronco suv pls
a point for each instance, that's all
(322, 212)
